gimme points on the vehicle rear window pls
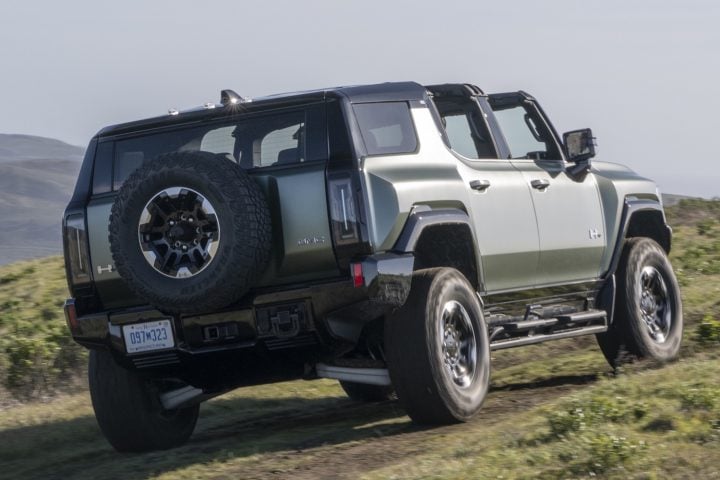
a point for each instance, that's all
(386, 128)
(261, 140)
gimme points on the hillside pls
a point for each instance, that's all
(554, 411)
(37, 176)
(15, 147)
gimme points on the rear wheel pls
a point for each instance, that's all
(438, 350)
(129, 411)
(361, 392)
(648, 319)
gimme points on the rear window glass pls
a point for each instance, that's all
(257, 141)
(386, 128)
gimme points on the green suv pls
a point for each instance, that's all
(388, 236)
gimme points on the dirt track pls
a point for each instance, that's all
(295, 430)
(337, 452)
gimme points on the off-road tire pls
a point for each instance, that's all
(361, 392)
(129, 412)
(244, 222)
(415, 355)
(628, 337)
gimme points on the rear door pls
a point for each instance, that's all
(568, 208)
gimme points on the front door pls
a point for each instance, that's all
(568, 208)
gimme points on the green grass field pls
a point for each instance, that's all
(554, 411)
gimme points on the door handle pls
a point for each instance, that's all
(480, 185)
(540, 184)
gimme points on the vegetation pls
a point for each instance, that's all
(554, 411)
(37, 356)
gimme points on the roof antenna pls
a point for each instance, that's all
(229, 97)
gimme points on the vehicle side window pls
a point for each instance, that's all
(252, 141)
(386, 127)
(102, 171)
(525, 135)
(219, 140)
(284, 144)
(465, 127)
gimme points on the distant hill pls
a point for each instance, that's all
(23, 147)
(37, 176)
(670, 199)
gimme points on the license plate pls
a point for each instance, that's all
(144, 337)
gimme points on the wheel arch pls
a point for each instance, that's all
(641, 218)
(430, 238)
(441, 238)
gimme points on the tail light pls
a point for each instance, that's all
(357, 274)
(345, 222)
(71, 315)
(343, 213)
(77, 255)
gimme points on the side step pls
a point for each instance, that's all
(369, 376)
(538, 330)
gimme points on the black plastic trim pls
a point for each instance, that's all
(632, 206)
(388, 277)
(81, 193)
(606, 298)
(421, 218)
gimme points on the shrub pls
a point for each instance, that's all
(705, 227)
(701, 398)
(608, 451)
(708, 332)
(599, 409)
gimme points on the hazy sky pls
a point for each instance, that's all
(643, 74)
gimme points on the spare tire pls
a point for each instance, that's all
(190, 232)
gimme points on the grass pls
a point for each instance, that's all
(555, 410)
(37, 356)
(651, 424)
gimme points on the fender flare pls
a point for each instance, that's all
(388, 275)
(422, 217)
(632, 206)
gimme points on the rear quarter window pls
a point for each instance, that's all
(386, 127)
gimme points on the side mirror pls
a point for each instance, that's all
(579, 145)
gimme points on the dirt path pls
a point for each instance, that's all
(294, 430)
(334, 453)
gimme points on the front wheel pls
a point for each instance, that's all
(648, 319)
(438, 350)
(128, 409)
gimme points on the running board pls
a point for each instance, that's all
(516, 342)
(368, 376)
(538, 330)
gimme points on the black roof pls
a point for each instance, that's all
(381, 92)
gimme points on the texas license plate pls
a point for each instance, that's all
(144, 337)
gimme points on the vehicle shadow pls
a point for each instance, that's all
(556, 381)
(236, 429)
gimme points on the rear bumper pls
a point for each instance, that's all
(269, 322)
(296, 326)
(249, 356)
